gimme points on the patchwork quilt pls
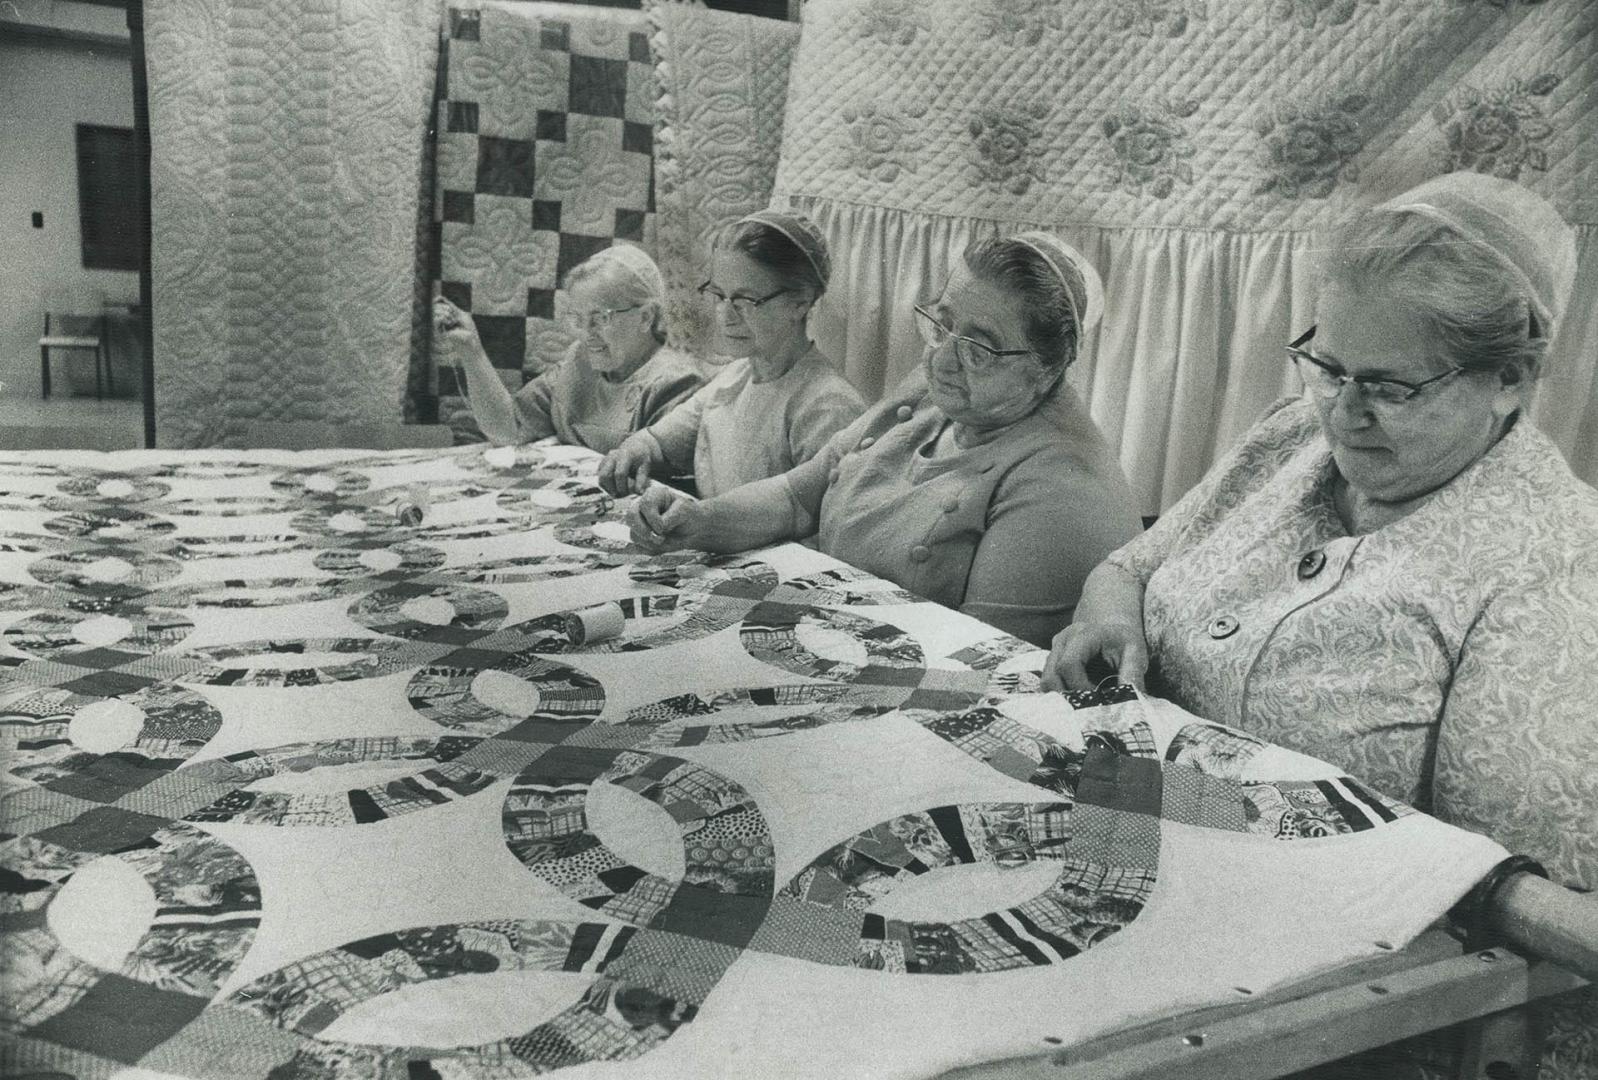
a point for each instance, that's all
(544, 157)
(723, 84)
(297, 786)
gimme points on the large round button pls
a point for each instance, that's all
(920, 553)
(865, 443)
(1311, 564)
(951, 504)
(1223, 626)
(904, 412)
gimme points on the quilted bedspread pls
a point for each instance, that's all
(1180, 113)
(545, 155)
(1190, 148)
(294, 789)
(286, 173)
(723, 83)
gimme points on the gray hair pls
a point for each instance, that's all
(1051, 326)
(1473, 300)
(630, 276)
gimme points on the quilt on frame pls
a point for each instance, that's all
(294, 789)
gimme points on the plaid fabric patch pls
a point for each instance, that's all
(1213, 749)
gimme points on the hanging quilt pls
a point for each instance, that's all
(723, 84)
(295, 788)
(286, 186)
(1191, 150)
(545, 155)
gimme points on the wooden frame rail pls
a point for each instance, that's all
(1434, 983)
(1430, 985)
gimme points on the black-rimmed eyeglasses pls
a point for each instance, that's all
(743, 305)
(1327, 381)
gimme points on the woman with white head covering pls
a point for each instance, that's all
(980, 481)
(618, 375)
(1397, 572)
(777, 404)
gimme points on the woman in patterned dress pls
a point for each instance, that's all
(1397, 573)
(963, 483)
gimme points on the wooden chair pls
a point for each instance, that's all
(77, 332)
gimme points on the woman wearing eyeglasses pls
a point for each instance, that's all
(779, 403)
(618, 376)
(979, 482)
(1397, 573)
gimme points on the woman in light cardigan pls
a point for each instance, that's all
(776, 405)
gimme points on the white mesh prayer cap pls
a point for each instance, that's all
(1517, 227)
(1081, 281)
(631, 261)
(804, 234)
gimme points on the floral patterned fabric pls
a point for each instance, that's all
(1191, 149)
(1445, 658)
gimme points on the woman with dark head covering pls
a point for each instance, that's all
(777, 404)
(980, 482)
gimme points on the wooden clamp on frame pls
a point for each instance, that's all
(1536, 916)
(1517, 905)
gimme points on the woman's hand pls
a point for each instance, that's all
(662, 519)
(451, 325)
(625, 470)
(1081, 648)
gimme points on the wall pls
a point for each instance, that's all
(48, 87)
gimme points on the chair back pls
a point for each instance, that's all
(61, 324)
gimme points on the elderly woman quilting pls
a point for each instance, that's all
(619, 374)
(980, 482)
(1397, 573)
(775, 406)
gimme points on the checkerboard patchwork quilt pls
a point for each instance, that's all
(545, 155)
(290, 788)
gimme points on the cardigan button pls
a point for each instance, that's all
(920, 553)
(1223, 626)
(867, 442)
(1311, 564)
(951, 504)
(904, 412)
